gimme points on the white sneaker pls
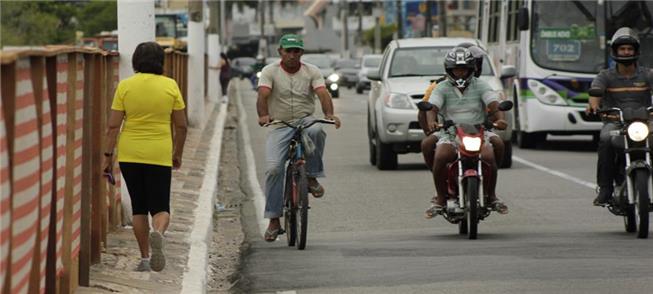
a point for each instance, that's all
(157, 257)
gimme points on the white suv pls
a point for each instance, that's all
(407, 68)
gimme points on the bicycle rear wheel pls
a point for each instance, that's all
(302, 207)
(290, 211)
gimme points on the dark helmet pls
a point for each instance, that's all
(624, 36)
(478, 55)
(459, 57)
(466, 45)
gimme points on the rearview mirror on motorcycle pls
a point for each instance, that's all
(505, 105)
(594, 92)
(424, 105)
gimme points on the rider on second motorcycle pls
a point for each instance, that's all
(463, 98)
(627, 85)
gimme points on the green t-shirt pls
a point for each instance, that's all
(466, 107)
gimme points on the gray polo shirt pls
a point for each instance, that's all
(293, 94)
(624, 92)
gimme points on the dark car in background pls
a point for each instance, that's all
(348, 70)
(243, 67)
(324, 63)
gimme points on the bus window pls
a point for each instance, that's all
(567, 42)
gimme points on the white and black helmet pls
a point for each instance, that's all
(478, 55)
(459, 57)
(624, 36)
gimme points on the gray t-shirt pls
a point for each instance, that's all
(624, 92)
(466, 107)
(293, 94)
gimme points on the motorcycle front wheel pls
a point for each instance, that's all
(642, 177)
(472, 207)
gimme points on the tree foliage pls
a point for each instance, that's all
(387, 32)
(34, 23)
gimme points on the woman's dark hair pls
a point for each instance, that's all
(148, 58)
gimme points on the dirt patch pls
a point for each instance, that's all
(228, 237)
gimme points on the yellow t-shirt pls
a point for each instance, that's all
(148, 101)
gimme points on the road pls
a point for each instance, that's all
(368, 234)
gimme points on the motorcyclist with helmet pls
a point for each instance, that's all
(627, 85)
(462, 98)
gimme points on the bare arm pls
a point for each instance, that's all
(327, 105)
(498, 117)
(262, 105)
(594, 104)
(178, 136)
(113, 129)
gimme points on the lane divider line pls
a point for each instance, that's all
(555, 172)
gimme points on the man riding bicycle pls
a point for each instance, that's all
(286, 92)
(462, 98)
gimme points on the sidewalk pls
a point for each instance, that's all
(116, 274)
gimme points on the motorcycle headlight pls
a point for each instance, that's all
(545, 94)
(396, 100)
(333, 77)
(258, 75)
(472, 143)
(638, 131)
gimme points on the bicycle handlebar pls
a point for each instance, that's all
(323, 121)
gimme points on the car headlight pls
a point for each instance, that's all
(472, 144)
(545, 94)
(333, 87)
(396, 100)
(333, 77)
(258, 75)
(638, 131)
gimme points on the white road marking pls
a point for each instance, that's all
(554, 172)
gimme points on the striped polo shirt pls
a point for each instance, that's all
(467, 106)
(624, 92)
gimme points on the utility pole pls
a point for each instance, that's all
(359, 38)
(262, 44)
(344, 15)
(428, 27)
(442, 19)
(400, 27)
(377, 27)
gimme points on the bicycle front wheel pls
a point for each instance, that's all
(302, 207)
(290, 210)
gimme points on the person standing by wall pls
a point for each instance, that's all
(225, 74)
(145, 105)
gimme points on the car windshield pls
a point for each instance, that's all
(424, 61)
(347, 63)
(321, 61)
(372, 61)
(568, 41)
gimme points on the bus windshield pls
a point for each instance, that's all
(636, 15)
(567, 40)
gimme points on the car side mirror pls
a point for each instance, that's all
(508, 71)
(522, 19)
(374, 75)
(424, 105)
(595, 92)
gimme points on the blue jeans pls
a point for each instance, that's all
(276, 151)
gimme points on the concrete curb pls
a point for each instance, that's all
(195, 275)
(254, 186)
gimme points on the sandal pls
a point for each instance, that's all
(317, 190)
(499, 206)
(271, 234)
(433, 211)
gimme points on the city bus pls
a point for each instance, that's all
(557, 47)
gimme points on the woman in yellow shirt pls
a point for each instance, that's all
(145, 104)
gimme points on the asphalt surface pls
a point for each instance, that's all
(368, 234)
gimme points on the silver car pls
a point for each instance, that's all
(407, 68)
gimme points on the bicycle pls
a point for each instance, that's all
(295, 195)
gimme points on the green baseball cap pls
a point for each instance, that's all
(291, 41)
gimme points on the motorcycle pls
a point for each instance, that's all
(632, 195)
(466, 174)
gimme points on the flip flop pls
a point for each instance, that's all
(271, 234)
(317, 191)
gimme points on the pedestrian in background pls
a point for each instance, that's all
(225, 74)
(146, 104)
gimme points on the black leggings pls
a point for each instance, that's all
(148, 186)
